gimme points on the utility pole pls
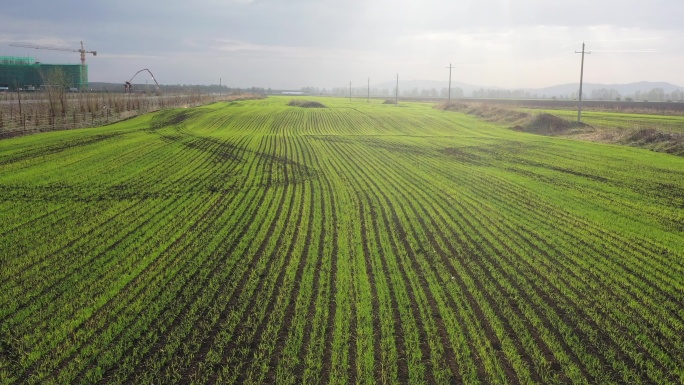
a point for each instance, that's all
(396, 96)
(449, 67)
(220, 86)
(368, 99)
(350, 91)
(579, 105)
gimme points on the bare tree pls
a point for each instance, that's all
(56, 83)
(16, 87)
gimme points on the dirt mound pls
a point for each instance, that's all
(547, 124)
(488, 112)
(388, 101)
(306, 104)
(648, 136)
(543, 123)
(671, 143)
(453, 106)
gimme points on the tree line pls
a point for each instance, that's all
(603, 94)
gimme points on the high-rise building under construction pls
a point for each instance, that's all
(28, 74)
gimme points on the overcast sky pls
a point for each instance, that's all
(327, 43)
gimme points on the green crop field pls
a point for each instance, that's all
(256, 242)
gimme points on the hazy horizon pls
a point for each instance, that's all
(293, 44)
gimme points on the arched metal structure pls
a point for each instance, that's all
(128, 86)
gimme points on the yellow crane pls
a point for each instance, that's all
(82, 51)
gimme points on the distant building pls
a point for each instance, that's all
(27, 74)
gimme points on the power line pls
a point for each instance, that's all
(579, 105)
(634, 39)
(627, 51)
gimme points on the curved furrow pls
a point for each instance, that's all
(22, 267)
(442, 354)
(21, 218)
(244, 220)
(479, 215)
(650, 258)
(600, 252)
(375, 285)
(75, 241)
(76, 269)
(128, 304)
(199, 270)
(207, 288)
(291, 283)
(259, 300)
(625, 356)
(419, 369)
(493, 344)
(335, 360)
(655, 304)
(239, 303)
(317, 351)
(545, 212)
(407, 183)
(306, 337)
(288, 358)
(50, 338)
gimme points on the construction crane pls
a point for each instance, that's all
(82, 51)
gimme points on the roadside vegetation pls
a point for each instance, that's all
(253, 242)
(23, 113)
(650, 129)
